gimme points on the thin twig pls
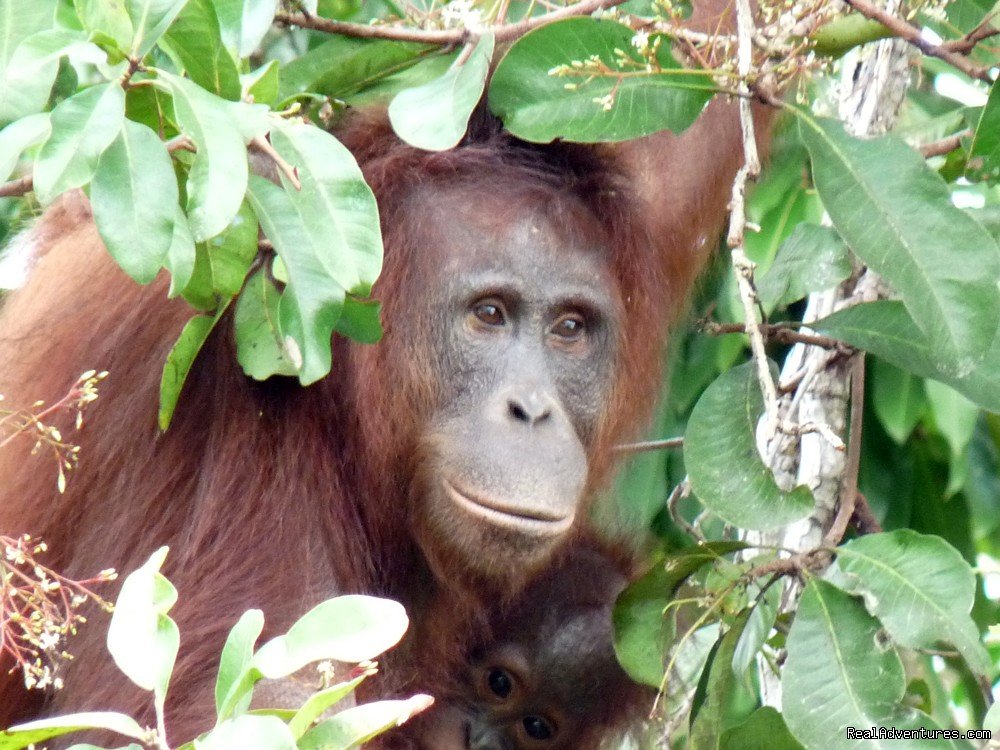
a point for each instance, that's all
(505, 32)
(944, 146)
(779, 332)
(645, 446)
(260, 143)
(914, 35)
(737, 223)
(984, 30)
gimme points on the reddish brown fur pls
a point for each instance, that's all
(271, 495)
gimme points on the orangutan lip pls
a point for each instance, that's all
(491, 510)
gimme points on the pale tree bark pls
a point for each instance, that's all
(816, 382)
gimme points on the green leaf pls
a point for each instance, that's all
(232, 251)
(726, 698)
(886, 329)
(955, 417)
(898, 398)
(984, 156)
(725, 468)
(23, 92)
(82, 127)
(262, 85)
(992, 719)
(233, 687)
(896, 214)
(182, 254)
(435, 116)
(342, 66)
(19, 136)
(918, 586)
(181, 359)
(359, 320)
(37, 732)
(134, 197)
(642, 632)
(319, 702)
(812, 258)
(536, 105)
(758, 628)
(336, 206)
(351, 629)
(218, 178)
(840, 673)
(107, 17)
(195, 38)
(249, 731)
(142, 639)
(244, 23)
(150, 19)
(357, 725)
(259, 346)
(763, 730)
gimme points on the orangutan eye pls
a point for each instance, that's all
(538, 728)
(500, 683)
(569, 327)
(489, 312)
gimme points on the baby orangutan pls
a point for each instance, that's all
(548, 679)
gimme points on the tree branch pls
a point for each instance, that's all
(914, 36)
(944, 146)
(505, 32)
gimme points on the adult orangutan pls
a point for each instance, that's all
(527, 292)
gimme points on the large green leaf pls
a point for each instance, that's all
(435, 116)
(218, 179)
(82, 127)
(336, 206)
(918, 586)
(886, 329)
(812, 258)
(37, 732)
(840, 674)
(727, 699)
(18, 21)
(539, 106)
(150, 19)
(195, 38)
(725, 468)
(142, 639)
(984, 156)
(107, 18)
(342, 66)
(232, 251)
(244, 22)
(181, 359)
(312, 302)
(355, 726)
(898, 398)
(259, 346)
(232, 687)
(641, 629)
(896, 214)
(134, 196)
(19, 136)
(350, 629)
(763, 730)
(27, 80)
(318, 703)
(249, 731)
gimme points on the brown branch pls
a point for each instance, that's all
(912, 34)
(18, 187)
(777, 332)
(505, 32)
(944, 146)
(645, 446)
(966, 44)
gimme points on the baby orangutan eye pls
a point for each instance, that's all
(538, 728)
(500, 683)
(569, 327)
(489, 312)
